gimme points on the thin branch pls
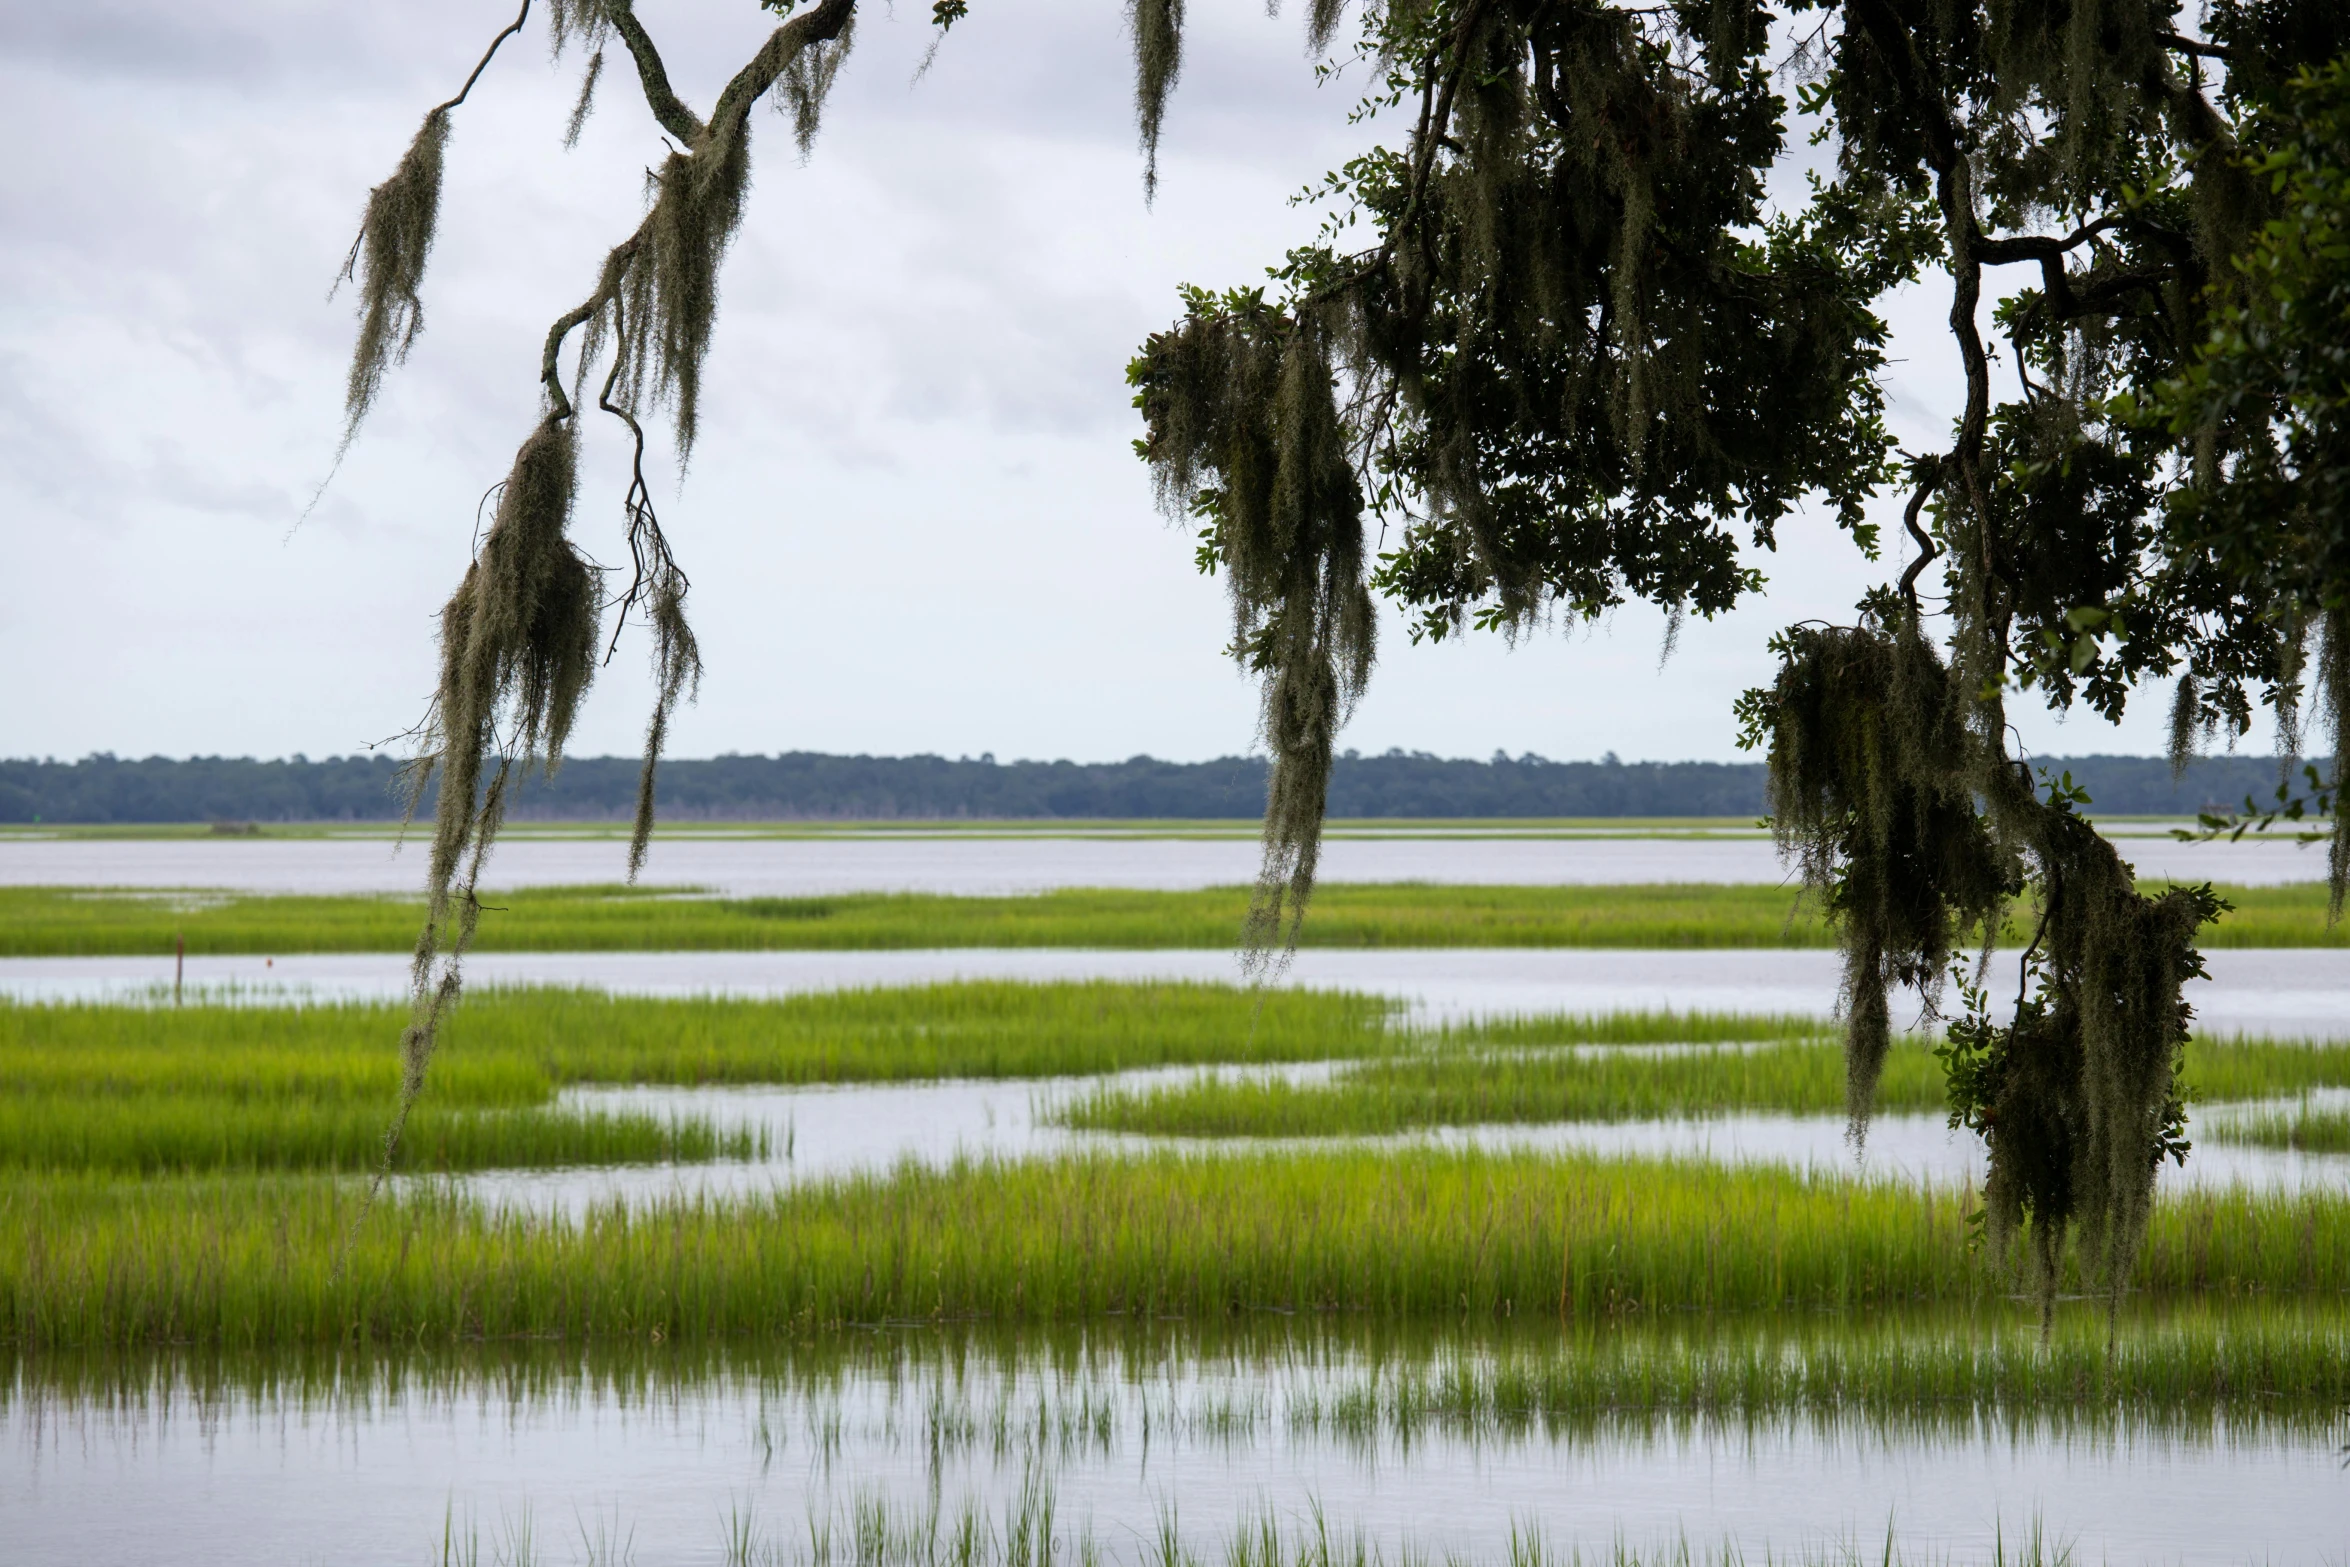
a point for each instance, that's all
(489, 54)
(648, 547)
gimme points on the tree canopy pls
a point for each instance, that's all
(1608, 306)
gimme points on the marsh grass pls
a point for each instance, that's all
(515, 1047)
(868, 1530)
(1414, 1234)
(59, 921)
(1457, 1084)
(2303, 1128)
(186, 1133)
(106, 1087)
(1030, 1530)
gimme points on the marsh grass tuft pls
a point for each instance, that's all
(1461, 1081)
(1417, 1235)
(97, 1087)
(2304, 1129)
(60, 921)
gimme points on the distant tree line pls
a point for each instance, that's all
(807, 785)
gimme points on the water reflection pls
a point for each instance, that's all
(1445, 1438)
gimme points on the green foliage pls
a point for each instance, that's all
(512, 1048)
(1579, 343)
(2266, 403)
(132, 1089)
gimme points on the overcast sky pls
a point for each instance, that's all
(914, 521)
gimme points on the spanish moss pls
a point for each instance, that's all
(586, 102)
(1870, 757)
(1245, 433)
(395, 239)
(1158, 59)
(520, 636)
(2186, 718)
(518, 650)
(387, 263)
(807, 82)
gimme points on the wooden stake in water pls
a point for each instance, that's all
(179, 964)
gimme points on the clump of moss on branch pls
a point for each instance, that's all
(1245, 433)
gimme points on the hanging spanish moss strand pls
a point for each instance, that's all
(1245, 431)
(658, 301)
(807, 83)
(518, 650)
(586, 103)
(585, 24)
(387, 260)
(1158, 59)
(387, 264)
(1869, 760)
(2185, 723)
(1322, 19)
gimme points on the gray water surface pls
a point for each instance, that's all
(2295, 992)
(370, 1464)
(1025, 862)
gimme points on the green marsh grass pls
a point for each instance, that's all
(57, 921)
(515, 1046)
(1409, 1234)
(1459, 1085)
(108, 1087)
(2304, 1128)
(1029, 1529)
(43, 922)
(184, 1133)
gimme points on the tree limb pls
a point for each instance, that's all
(678, 120)
(821, 25)
(2180, 43)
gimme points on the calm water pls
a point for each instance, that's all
(780, 867)
(363, 1461)
(2300, 992)
(845, 1129)
(175, 1460)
